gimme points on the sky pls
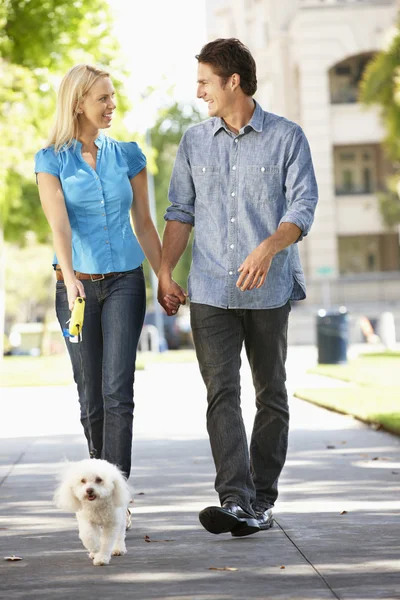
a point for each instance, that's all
(159, 40)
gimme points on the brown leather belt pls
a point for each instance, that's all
(78, 275)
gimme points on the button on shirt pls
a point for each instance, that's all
(237, 189)
(98, 203)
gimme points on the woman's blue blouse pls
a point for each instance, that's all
(98, 203)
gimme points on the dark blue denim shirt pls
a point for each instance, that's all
(237, 189)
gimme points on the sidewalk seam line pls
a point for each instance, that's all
(20, 457)
(309, 562)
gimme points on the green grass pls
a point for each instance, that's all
(56, 370)
(375, 395)
(380, 370)
(35, 371)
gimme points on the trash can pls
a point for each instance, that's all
(332, 336)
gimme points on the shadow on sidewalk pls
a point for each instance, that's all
(327, 473)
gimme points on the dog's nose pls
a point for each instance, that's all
(89, 491)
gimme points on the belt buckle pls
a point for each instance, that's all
(98, 278)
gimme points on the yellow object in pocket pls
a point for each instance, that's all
(76, 322)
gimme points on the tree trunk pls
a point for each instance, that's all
(2, 291)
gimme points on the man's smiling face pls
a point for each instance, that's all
(214, 90)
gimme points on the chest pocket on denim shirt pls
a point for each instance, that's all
(262, 183)
(207, 183)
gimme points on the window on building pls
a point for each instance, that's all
(347, 156)
(356, 170)
(345, 78)
(348, 182)
(371, 262)
(368, 253)
(367, 180)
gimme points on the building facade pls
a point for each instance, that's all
(310, 57)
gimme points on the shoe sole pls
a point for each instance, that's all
(217, 520)
(241, 531)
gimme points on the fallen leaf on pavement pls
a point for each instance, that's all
(282, 567)
(344, 512)
(148, 540)
(12, 558)
(222, 569)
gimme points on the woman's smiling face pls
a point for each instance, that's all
(98, 105)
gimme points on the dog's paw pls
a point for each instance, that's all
(101, 559)
(119, 551)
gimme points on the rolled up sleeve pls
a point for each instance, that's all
(181, 192)
(300, 183)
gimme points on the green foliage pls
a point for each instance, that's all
(389, 205)
(46, 34)
(26, 213)
(381, 85)
(171, 123)
(39, 41)
(389, 202)
(30, 301)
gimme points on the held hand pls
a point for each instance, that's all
(171, 304)
(254, 269)
(74, 289)
(170, 295)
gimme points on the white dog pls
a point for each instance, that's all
(98, 493)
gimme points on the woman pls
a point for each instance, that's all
(88, 184)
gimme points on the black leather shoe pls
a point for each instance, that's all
(265, 518)
(226, 518)
(265, 521)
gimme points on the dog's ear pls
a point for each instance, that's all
(121, 493)
(65, 499)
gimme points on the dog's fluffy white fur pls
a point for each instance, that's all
(98, 493)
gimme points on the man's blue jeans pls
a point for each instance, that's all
(103, 362)
(250, 480)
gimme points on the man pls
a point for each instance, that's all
(245, 178)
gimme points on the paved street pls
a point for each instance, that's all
(337, 532)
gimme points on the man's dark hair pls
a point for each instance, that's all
(228, 56)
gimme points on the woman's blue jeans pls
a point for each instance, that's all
(103, 362)
(248, 478)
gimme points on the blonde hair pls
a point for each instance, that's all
(73, 89)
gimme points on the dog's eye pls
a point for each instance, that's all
(83, 480)
(99, 480)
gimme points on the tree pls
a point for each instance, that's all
(381, 85)
(39, 41)
(171, 123)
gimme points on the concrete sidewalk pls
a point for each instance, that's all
(337, 532)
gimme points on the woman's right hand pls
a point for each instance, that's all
(74, 289)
